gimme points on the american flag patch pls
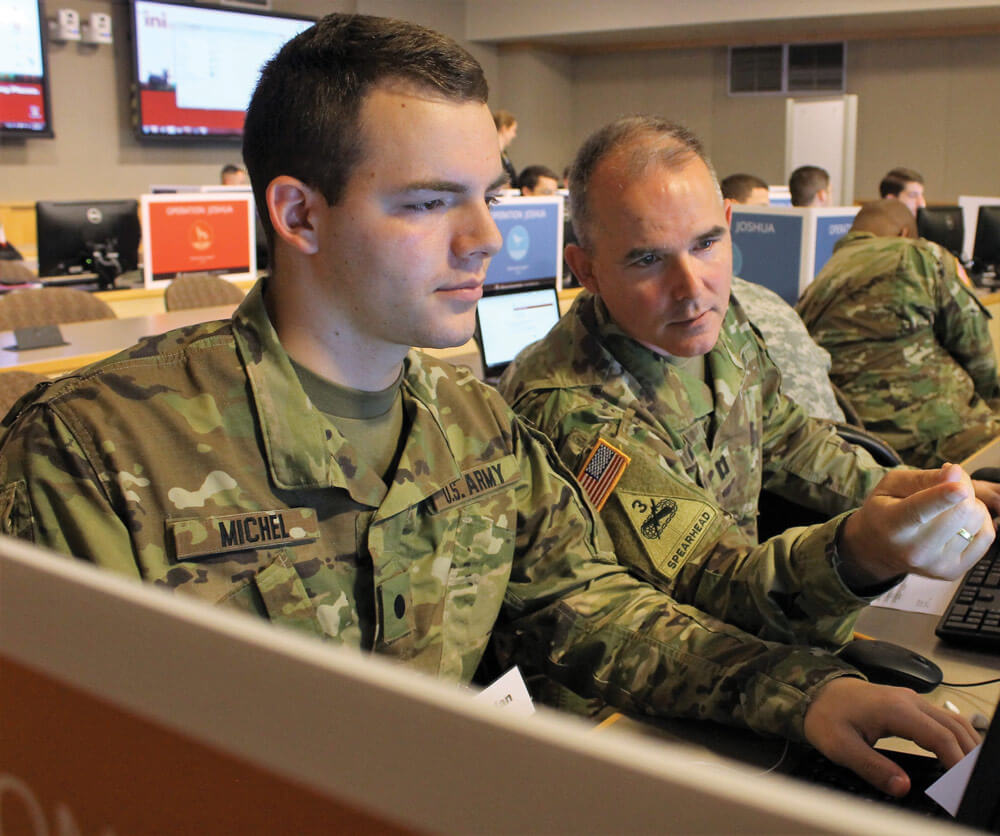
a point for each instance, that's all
(600, 474)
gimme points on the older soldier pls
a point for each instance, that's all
(910, 341)
(301, 463)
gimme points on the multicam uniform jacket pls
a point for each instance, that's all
(683, 514)
(910, 344)
(195, 461)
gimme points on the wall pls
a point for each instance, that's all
(928, 103)
(95, 153)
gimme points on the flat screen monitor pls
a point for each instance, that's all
(532, 230)
(24, 85)
(986, 250)
(208, 232)
(84, 237)
(509, 320)
(943, 225)
(196, 66)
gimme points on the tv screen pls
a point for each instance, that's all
(532, 230)
(196, 66)
(24, 86)
(99, 237)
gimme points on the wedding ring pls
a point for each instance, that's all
(964, 535)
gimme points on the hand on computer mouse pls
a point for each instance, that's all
(849, 715)
(928, 522)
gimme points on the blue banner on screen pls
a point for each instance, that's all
(767, 251)
(532, 230)
(829, 230)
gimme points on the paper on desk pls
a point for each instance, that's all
(917, 594)
(950, 787)
(509, 693)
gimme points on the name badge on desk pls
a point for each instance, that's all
(36, 336)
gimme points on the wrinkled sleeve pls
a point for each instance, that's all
(805, 460)
(54, 497)
(962, 327)
(573, 614)
(786, 589)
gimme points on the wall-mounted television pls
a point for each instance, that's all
(196, 66)
(24, 85)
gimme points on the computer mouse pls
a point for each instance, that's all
(889, 664)
(987, 474)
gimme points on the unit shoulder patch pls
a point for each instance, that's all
(669, 527)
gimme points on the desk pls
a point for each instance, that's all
(88, 342)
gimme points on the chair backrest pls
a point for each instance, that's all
(200, 290)
(16, 272)
(13, 384)
(50, 306)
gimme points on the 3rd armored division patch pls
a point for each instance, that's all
(668, 527)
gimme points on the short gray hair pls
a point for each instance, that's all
(652, 139)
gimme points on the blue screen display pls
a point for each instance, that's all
(532, 230)
(767, 251)
(829, 230)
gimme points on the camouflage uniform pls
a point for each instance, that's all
(195, 461)
(804, 366)
(684, 513)
(910, 344)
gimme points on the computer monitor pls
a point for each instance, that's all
(943, 225)
(196, 66)
(24, 85)
(986, 250)
(198, 232)
(77, 238)
(508, 320)
(532, 230)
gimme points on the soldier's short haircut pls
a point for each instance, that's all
(648, 139)
(885, 218)
(806, 182)
(529, 177)
(304, 116)
(738, 187)
(895, 181)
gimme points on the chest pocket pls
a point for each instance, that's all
(477, 581)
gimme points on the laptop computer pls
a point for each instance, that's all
(980, 805)
(508, 320)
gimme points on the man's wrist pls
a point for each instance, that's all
(857, 577)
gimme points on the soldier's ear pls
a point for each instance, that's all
(293, 206)
(582, 265)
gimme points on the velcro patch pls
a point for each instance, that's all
(669, 527)
(477, 482)
(196, 537)
(600, 473)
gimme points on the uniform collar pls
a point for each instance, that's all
(305, 451)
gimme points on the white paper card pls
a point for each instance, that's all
(950, 787)
(509, 693)
(917, 594)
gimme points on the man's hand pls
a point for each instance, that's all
(928, 522)
(849, 715)
(989, 494)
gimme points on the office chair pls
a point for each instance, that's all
(50, 306)
(200, 290)
(15, 272)
(14, 384)
(776, 513)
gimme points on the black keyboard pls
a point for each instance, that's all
(973, 616)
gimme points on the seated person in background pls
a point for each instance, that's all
(910, 342)
(745, 189)
(809, 186)
(538, 180)
(233, 175)
(301, 463)
(804, 366)
(906, 186)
